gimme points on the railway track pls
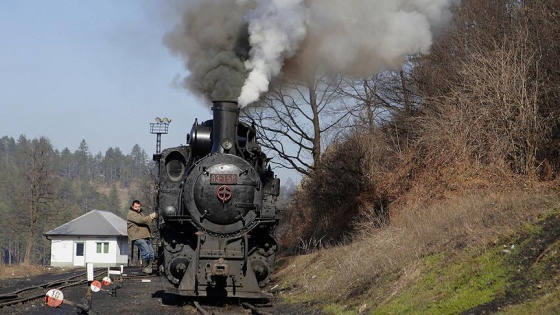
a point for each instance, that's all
(38, 291)
(32, 294)
(236, 308)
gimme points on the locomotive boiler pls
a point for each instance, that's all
(217, 204)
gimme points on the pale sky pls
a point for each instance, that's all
(93, 70)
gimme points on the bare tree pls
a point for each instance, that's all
(381, 97)
(297, 118)
(492, 106)
(36, 187)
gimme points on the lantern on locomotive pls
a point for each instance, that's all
(217, 203)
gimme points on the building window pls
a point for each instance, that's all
(102, 247)
(80, 249)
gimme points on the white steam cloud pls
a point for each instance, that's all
(276, 28)
(233, 49)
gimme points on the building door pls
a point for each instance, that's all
(79, 254)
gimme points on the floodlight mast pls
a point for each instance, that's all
(160, 127)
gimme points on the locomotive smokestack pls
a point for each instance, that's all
(224, 127)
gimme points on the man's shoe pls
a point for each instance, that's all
(147, 267)
(148, 270)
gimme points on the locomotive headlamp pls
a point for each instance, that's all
(227, 144)
(169, 210)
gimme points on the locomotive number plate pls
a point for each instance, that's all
(223, 179)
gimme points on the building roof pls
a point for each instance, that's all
(93, 223)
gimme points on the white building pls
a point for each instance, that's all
(97, 237)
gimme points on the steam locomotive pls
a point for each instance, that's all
(217, 203)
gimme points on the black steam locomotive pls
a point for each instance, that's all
(217, 205)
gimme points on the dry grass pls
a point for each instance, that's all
(456, 224)
(19, 271)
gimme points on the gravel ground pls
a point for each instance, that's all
(135, 297)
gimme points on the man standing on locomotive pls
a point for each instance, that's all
(138, 229)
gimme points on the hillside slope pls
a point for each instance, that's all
(477, 253)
